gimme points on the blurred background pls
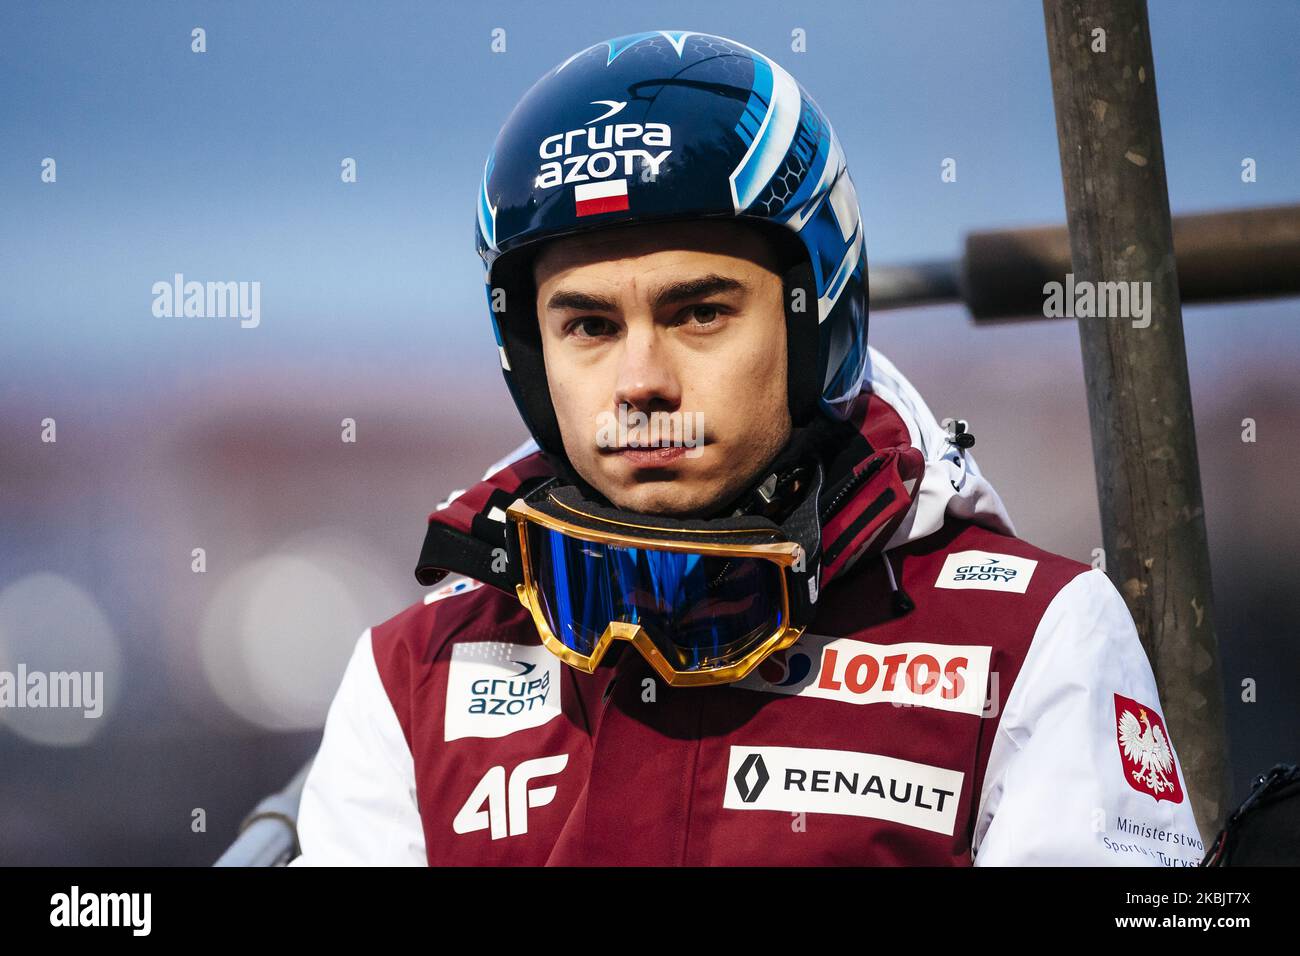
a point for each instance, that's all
(175, 434)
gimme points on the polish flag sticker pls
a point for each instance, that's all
(608, 196)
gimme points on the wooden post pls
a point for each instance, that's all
(1139, 402)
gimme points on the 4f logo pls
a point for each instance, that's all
(502, 805)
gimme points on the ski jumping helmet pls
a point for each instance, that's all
(670, 125)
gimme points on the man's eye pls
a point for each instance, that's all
(702, 314)
(591, 327)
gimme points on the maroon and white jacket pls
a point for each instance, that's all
(1009, 717)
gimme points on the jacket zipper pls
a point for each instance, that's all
(850, 484)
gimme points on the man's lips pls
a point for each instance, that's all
(651, 457)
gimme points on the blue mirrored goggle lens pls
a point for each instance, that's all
(701, 612)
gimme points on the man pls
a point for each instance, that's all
(744, 601)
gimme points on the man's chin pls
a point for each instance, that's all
(671, 499)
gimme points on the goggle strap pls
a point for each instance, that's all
(489, 553)
(449, 551)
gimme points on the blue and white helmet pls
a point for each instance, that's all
(667, 125)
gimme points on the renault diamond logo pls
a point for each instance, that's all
(753, 762)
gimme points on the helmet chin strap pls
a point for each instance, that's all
(782, 483)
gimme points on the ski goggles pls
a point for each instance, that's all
(704, 602)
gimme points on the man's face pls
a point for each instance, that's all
(684, 323)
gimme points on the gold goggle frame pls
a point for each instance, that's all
(784, 554)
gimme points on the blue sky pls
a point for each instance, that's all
(226, 165)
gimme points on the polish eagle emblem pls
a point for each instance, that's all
(1145, 750)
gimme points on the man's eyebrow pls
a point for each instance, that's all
(580, 301)
(698, 287)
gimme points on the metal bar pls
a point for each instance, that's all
(1139, 400)
(921, 283)
(269, 835)
(1222, 256)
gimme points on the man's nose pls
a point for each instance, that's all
(647, 380)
